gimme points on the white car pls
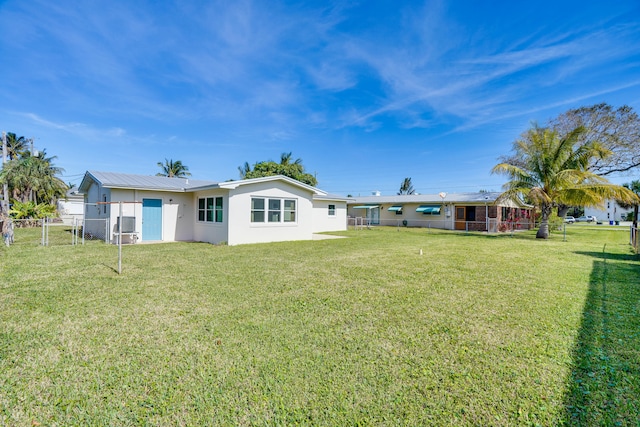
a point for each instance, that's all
(569, 219)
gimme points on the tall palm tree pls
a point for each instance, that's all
(173, 169)
(406, 187)
(16, 146)
(552, 170)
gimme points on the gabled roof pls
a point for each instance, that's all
(140, 182)
(235, 184)
(162, 183)
(483, 197)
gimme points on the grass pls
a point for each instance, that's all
(480, 330)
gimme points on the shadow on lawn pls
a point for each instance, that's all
(604, 384)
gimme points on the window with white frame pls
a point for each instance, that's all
(273, 210)
(275, 213)
(210, 209)
(257, 210)
(332, 210)
(289, 211)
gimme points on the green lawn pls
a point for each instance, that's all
(479, 330)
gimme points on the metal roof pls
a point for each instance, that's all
(484, 197)
(141, 182)
(163, 183)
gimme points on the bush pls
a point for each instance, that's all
(555, 222)
(31, 210)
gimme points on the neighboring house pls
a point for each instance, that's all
(609, 211)
(462, 211)
(269, 209)
(71, 208)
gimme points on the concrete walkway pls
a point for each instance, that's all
(326, 237)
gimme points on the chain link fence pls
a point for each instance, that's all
(53, 232)
(491, 225)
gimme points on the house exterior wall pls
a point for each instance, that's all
(177, 212)
(95, 215)
(322, 221)
(479, 216)
(242, 230)
(408, 214)
(211, 232)
(609, 211)
(71, 209)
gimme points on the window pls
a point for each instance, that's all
(257, 210)
(104, 200)
(210, 209)
(274, 210)
(278, 210)
(218, 209)
(332, 210)
(289, 211)
(396, 208)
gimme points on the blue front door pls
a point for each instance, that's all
(151, 219)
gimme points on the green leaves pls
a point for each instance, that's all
(550, 169)
(287, 167)
(173, 169)
(33, 178)
(31, 210)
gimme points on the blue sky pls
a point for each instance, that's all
(366, 93)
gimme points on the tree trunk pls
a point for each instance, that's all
(562, 210)
(545, 213)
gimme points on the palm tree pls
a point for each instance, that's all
(285, 159)
(34, 178)
(244, 170)
(173, 169)
(553, 170)
(635, 187)
(16, 146)
(406, 187)
(287, 167)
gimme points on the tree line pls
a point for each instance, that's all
(31, 178)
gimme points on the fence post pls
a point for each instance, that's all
(43, 225)
(120, 239)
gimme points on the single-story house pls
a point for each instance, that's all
(462, 211)
(162, 209)
(71, 208)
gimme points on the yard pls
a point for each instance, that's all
(479, 330)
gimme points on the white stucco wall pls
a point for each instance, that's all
(609, 211)
(177, 212)
(211, 232)
(71, 210)
(409, 214)
(321, 219)
(242, 230)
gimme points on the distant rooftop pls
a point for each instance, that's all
(431, 198)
